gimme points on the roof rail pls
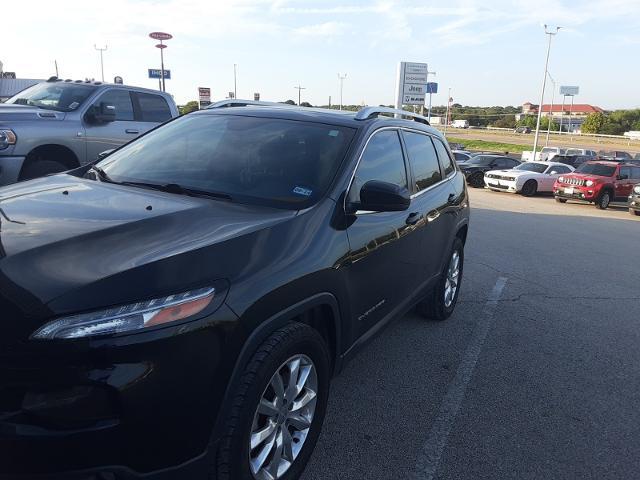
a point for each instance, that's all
(372, 112)
(234, 102)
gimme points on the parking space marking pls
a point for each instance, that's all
(429, 458)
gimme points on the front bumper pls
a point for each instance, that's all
(10, 167)
(574, 192)
(137, 406)
(502, 185)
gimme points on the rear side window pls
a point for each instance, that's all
(153, 108)
(381, 160)
(423, 160)
(119, 99)
(445, 159)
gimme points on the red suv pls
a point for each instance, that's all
(597, 182)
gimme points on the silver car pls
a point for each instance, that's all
(59, 125)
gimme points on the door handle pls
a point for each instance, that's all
(413, 218)
(132, 131)
(451, 198)
(432, 215)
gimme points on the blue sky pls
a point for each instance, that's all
(489, 52)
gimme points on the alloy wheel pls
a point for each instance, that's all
(453, 278)
(283, 418)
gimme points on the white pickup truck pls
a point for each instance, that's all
(546, 154)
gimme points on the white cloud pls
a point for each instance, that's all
(326, 29)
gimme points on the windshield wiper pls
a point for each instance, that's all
(179, 190)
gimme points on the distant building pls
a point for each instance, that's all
(437, 121)
(572, 117)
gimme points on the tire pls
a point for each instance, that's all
(561, 200)
(39, 168)
(435, 306)
(530, 188)
(476, 180)
(295, 340)
(603, 201)
(634, 212)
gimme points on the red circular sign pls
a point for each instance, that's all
(160, 36)
(161, 45)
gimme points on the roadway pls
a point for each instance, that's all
(535, 376)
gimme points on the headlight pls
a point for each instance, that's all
(589, 183)
(509, 179)
(636, 189)
(561, 179)
(135, 316)
(7, 137)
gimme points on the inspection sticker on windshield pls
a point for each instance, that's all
(334, 133)
(302, 191)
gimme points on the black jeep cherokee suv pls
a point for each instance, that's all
(178, 309)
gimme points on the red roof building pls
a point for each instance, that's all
(577, 109)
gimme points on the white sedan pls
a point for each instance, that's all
(527, 178)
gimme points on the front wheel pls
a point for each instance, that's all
(477, 180)
(278, 408)
(561, 200)
(603, 201)
(530, 188)
(634, 212)
(441, 302)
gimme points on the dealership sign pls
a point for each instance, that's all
(411, 85)
(160, 36)
(432, 87)
(204, 96)
(157, 73)
(569, 90)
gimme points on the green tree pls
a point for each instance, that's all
(290, 102)
(306, 104)
(188, 107)
(594, 123)
(506, 121)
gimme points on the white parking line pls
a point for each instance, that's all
(429, 458)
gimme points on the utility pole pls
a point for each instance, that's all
(550, 117)
(56, 64)
(299, 88)
(544, 84)
(235, 80)
(101, 59)
(570, 119)
(341, 77)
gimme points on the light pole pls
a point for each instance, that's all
(446, 118)
(550, 117)
(161, 36)
(235, 80)
(101, 59)
(299, 88)
(341, 77)
(544, 84)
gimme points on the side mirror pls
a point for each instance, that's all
(380, 196)
(103, 113)
(105, 154)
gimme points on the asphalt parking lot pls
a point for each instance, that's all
(536, 375)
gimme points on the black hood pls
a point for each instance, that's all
(72, 243)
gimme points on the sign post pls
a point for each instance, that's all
(567, 91)
(161, 36)
(432, 87)
(411, 84)
(204, 96)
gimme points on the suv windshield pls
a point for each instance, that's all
(532, 167)
(596, 169)
(63, 97)
(281, 163)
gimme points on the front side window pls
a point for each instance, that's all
(119, 99)
(381, 160)
(532, 167)
(423, 159)
(266, 161)
(625, 171)
(635, 173)
(445, 159)
(153, 108)
(59, 96)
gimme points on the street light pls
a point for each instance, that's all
(101, 61)
(550, 117)
(544, 84)
(341, 77)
